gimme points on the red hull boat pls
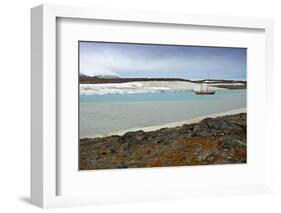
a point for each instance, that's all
(205, 92)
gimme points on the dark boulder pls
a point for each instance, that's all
(216, 127)
(231, 142)
(137, 137)
(122, 165)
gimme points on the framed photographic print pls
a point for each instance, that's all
(139, 104)
(130, 106)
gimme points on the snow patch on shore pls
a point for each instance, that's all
(140, 87)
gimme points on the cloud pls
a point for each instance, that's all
(128, 60)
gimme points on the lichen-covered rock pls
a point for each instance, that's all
(217, 127)
(231, 142)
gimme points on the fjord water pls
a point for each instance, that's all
(105, 114)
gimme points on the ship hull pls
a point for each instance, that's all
(205, 93)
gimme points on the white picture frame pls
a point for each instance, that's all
(44, 154)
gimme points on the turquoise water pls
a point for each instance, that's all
(164, 96)
(104, 114)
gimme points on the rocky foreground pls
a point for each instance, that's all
(220, 140)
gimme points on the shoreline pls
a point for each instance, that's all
(171, 124)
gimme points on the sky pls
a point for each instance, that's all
(162, 61)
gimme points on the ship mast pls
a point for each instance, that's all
(208, 81)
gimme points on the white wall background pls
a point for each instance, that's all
(15, 98)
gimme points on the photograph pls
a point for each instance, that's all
(147, 105)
